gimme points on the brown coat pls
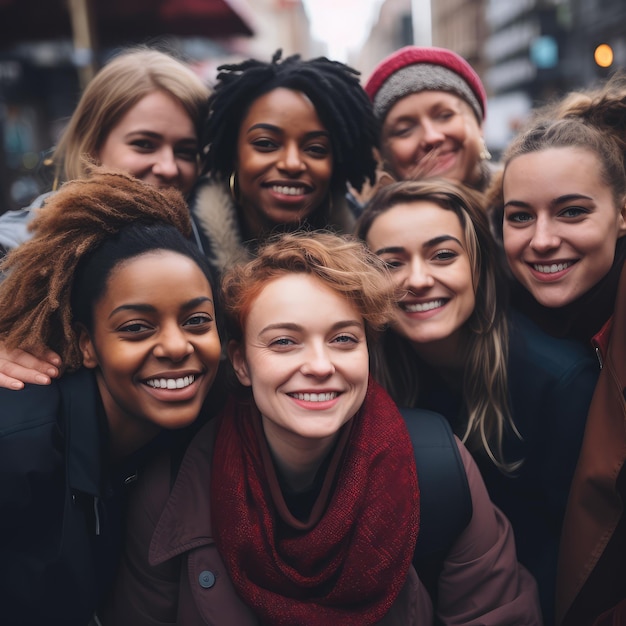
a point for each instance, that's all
(172, 572)
(592, 566)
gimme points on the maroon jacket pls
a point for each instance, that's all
(592, 566)
(172, 572)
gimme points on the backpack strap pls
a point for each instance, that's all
(445, 498)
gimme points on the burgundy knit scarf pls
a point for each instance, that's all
(349, 564)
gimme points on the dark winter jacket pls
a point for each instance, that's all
(60, 505)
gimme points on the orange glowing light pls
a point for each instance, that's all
(603, 55)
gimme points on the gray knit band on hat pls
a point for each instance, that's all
(422, 77)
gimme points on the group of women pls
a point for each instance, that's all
(296, 500)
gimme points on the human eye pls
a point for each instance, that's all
(187, 154)
(143, 145)
(392, 263)
(518, 218)
(345, 339)
(445, 255)
(318, 150)
(199, 322)
(281, 343)
(264, 144)
(444, 115)
(402, 130)
(573, 212)
(135, 329)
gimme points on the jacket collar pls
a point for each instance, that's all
(189, 500)
(600, 340)
(214, 209)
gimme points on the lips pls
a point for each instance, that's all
(287, 190)
(171, 383)
(551, 268)
(421, 307)
(315, 397)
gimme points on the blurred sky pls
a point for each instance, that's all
(341, 24)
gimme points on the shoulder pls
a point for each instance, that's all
(533, 350)
(14, 224)
(482, 582)
(216, 214)
(33, 418)
(29, 408)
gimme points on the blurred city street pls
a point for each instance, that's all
(525, 53)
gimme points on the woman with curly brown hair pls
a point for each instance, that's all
(126, 300)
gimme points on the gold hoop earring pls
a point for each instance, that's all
(232, 184)
(485, 155)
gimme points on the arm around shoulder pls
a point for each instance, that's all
(482, 583)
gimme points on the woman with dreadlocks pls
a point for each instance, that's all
(284, 140)
(128, 304)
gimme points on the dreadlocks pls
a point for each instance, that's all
(36, 295)
(333, 88)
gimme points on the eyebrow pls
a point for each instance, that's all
(435, 241)
(148, 308)
(280, 131)
(150, 133)
(555, 202)
(299, 328)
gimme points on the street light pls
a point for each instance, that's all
(603, 55)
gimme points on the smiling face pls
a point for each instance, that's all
(284, 160)
(154, 345)
(424, 247)
(560, 225)
(305, 355)
(432, 133)
(155, 141)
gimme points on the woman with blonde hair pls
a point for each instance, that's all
(141, 114)
(516, 396)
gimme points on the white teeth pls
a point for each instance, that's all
(420, 307)
(315, 397)
(288, 191)
(171, 383)
(552, 269)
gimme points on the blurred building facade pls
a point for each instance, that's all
(39, 78)
(526, 52)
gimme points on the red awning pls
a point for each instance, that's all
(124, 21)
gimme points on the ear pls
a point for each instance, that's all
(86, 347)
(621, 221)
(237, 357)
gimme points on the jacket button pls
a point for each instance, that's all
(206, 579)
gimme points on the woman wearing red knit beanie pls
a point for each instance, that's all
(431, 105)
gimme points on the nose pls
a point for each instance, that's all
(318, 362)
(290, 160)
(432, 135)
(173, 344)
(418, 277)
(165, 164)
(544, 236)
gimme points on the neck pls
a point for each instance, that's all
(446, 356)
(126, 436)
(297, 459)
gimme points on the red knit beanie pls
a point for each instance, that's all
(413, 69)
